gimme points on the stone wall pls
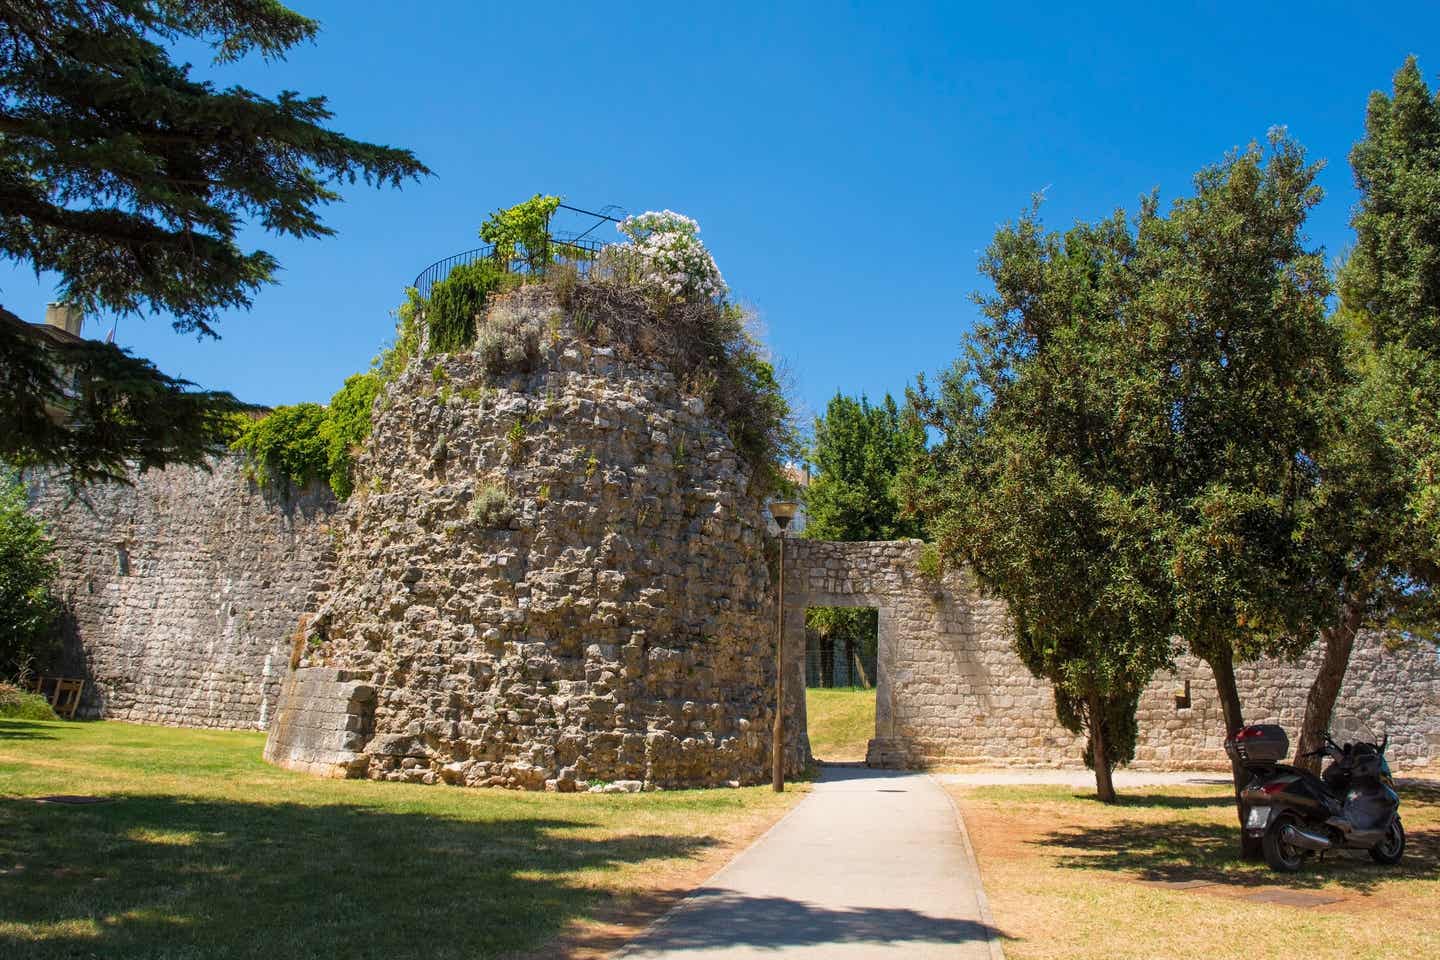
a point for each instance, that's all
(609, 616)
(183, 590)
(951, 690)
(325, 718)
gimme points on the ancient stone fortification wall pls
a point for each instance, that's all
(609, 616)
(183, 591)
(610, 619)
(951, 690)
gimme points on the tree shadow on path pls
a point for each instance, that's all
(716, 917)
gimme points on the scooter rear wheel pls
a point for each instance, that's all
(1281, 855)
(1392, 847)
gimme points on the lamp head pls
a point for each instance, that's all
(783, 511)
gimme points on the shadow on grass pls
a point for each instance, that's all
(1179, 850)
(1132, 797)
(159, 876)
(23, 730)
(1417, 791)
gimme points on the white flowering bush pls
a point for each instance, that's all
(665, 254)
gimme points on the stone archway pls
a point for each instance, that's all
(926, 676)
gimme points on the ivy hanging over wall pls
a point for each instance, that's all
(286, 446)
(294, 446)
(347, 425)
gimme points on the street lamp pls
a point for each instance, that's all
(783, 511)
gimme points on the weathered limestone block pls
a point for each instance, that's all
(326, 716)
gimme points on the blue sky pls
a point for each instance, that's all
(847, 163)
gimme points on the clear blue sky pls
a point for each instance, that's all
(847, 163)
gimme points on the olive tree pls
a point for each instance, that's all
(1031, 482)
(1380, 529)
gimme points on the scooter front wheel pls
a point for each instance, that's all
(1282, 856)
(1392, 847)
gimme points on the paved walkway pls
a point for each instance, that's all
(872, 864)
(1027, 776)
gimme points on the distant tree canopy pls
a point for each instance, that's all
(1030, 485)
(131, 181)
(1378, 526)
(1243, 357)
(859, 451)
(91, 410)
(1135, 442)
(1390, 283)
(28, 608)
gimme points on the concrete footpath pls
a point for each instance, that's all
(873, 863)
(1082, 779)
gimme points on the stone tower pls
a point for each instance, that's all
(552, 572)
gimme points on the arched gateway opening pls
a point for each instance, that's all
(841, 646)
(930, 688)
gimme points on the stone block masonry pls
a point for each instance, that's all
(183, 590)
(325, 719)
(951, 690)
(551, 576)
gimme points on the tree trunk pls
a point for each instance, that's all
(1222, 664)
(1338, 641)
(1104, 784)
(860, 669)
(827, 662)
(850, 660)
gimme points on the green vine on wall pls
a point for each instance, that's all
(294, 446)
(286, 446)
(457, 303)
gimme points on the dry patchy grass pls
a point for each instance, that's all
(1069, 877)
(202, 850)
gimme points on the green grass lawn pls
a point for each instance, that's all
(205, 851)
(840, 722)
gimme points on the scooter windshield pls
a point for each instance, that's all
(1348, 728)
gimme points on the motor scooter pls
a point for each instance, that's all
(1352, 805)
